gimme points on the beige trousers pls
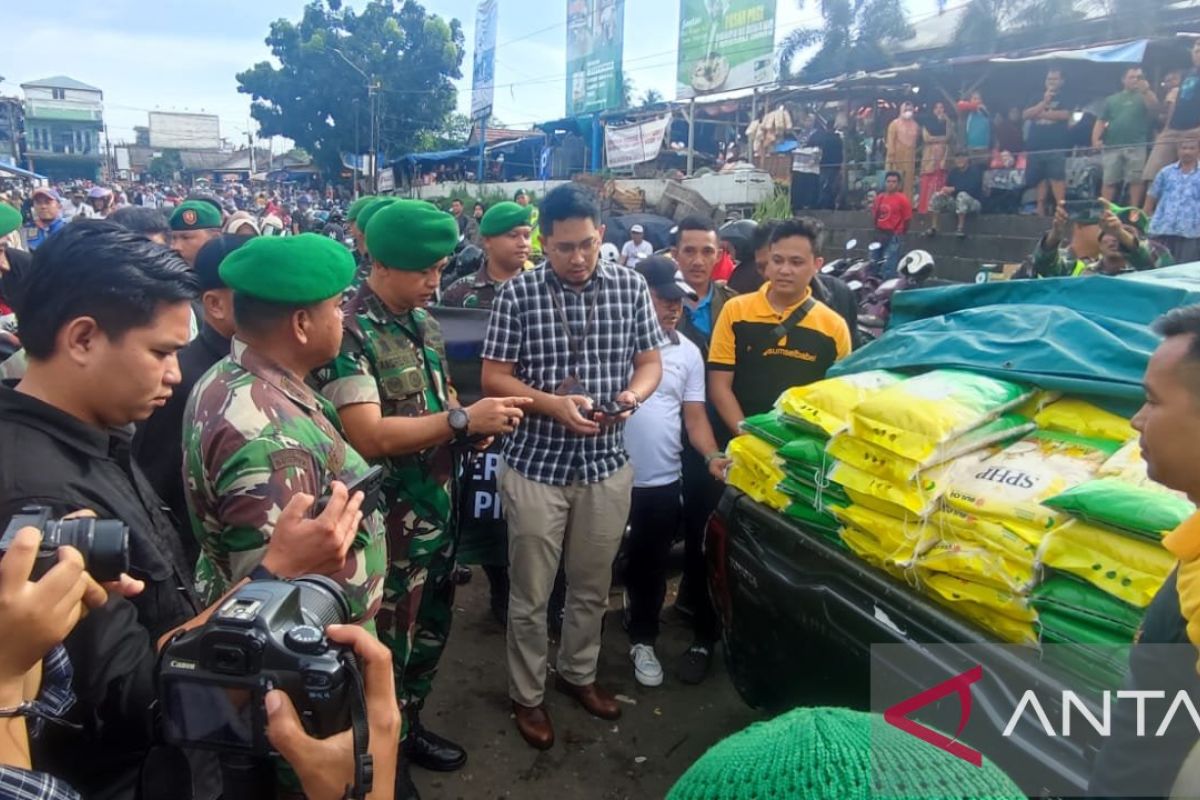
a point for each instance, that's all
(583, 523)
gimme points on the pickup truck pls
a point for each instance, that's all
(799, 617)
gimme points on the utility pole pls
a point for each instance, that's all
(373, 99)
(357, 149)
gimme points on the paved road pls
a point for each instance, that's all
(661, 732)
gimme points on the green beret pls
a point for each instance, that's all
(358, 205)
(503, 217)
(411, 235)
(10, 219)
(366, 212)
(195, 215)
(289, 270)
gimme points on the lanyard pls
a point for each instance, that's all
(575, 343)
(418, 338)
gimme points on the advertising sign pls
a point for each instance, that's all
(595, 46)
(724, 45)
(483, 70)
(634, 144)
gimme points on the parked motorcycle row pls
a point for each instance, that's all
(873, 291)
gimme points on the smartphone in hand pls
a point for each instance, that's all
(370, 484)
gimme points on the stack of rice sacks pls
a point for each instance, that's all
(1104, 561)
(903, 449)
(819, 411)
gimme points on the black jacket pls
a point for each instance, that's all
(158, 443)
(834, 293)
(51, 458)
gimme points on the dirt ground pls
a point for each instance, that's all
(661, 732)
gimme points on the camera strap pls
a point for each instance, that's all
(360, 730)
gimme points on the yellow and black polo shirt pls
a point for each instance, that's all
(743, 342)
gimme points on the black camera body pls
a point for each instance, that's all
(266, 635)
(103, 543)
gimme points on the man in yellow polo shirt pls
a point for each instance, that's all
(779, 336)
(1141, 760)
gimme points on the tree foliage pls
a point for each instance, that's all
(316, 98)
(854, 35)
(652, 97)
(165, 167)
(985, 22)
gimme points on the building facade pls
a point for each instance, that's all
(64, 123)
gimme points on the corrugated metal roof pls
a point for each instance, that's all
(61, 82)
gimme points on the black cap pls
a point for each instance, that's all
(662, 275)
(520, 193)
(208, 260)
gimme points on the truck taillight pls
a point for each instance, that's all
(716, 545)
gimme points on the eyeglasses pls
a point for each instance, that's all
(568, 249)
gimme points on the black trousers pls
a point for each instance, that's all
(654, 516)
(701, 492)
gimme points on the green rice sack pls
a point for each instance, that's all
(1142, 510)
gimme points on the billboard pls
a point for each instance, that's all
(724, 45)
(175, 131)
(483, 69)
(595, 46)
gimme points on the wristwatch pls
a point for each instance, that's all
(459, 421)
(261, 573)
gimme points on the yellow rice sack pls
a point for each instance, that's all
(955, 589)
(1004, 628)
(756, 472)
(974, 562)
(1129, 569)
(1081, 418)
(824, 407)
(1011, 485)
(883, 463)
(916, 417)
(917, 498)
(953, 524)
(888, 539)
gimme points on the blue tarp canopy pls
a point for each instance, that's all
(1125, 53)
(23, 173)
(1085, 336)
(435, 157)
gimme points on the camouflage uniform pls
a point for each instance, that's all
(399, 362)
(253, 438)
(477, 290)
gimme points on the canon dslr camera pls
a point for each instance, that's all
(266, 635)
(104, 543)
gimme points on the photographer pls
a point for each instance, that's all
(1121, 250)
(105, 312)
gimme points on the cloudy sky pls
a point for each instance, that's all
(149, 55)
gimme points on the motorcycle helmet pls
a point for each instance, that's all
(740, 234)
(917, 265)
(610, 253)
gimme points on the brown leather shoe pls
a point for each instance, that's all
(597, 701)
(534, 725)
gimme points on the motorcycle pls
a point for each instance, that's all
(913, 272)
(864, 276)
(838, 266)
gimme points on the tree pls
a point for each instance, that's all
(627, 92)
(985, 22)
(855, 35)
(165, 167)
(652, 97)
(452, 135)
(318, 98)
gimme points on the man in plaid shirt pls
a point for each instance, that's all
(581, 339)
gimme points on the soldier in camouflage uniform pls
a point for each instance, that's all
(255, 435)
(506, 232)
(392, 390)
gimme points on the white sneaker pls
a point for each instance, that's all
(646, 668)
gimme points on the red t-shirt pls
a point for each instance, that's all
(893, 212)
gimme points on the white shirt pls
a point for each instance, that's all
(633, 253)
(654, 433)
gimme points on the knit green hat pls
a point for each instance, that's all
(10, 219)
(195, 215)
(358, 205)
(371, 209)
(503, 217)
(411, 235)
(289, 270)
(835, 754)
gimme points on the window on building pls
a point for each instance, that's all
(58, 94)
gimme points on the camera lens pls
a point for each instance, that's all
(104, 544)
(322, 601)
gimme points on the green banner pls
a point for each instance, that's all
(595, 46)
(725, 45)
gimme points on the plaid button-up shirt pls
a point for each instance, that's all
(526, 328)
